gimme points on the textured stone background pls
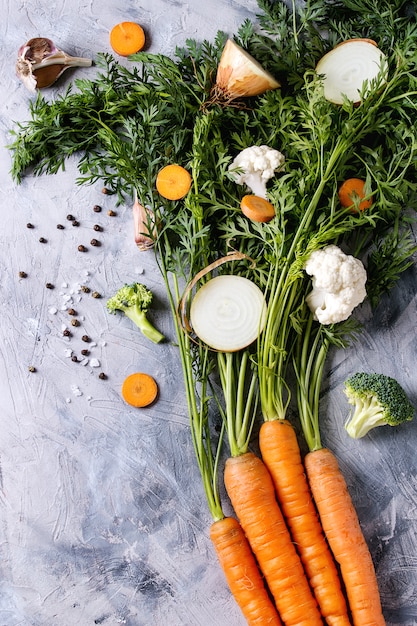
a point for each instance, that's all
(102, 516)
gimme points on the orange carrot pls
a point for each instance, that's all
(344, 534)
(173, 182)
(242, 573)
(352, 193)
(127, 38)
(139, 389)
(251, 491)
(257, 209)
(281, 454)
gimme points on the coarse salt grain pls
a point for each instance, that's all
(76, 390)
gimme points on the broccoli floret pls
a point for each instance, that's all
(378, 400)
(134, 300)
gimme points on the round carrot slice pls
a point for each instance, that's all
(139, 389)
(257, 209)
(351, 193)
(127, 38)
(173, 182)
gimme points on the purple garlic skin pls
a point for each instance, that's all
(40, 63)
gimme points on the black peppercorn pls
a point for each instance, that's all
(74, 358)
(75, 322)
(82, 248)
(70, 217)
(102, 376)
(85, 338)
(72, 312)
(29, 225)
(97, 228)
(49, 286)
(22, 274)
(42, 240)
(60, 226)
(66, 332)
(96, 294)
(96, 208)
(75, 223)
(95, 243)
(85, 352)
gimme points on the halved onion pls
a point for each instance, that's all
(238, 76)
(228, 312)
(346, 68)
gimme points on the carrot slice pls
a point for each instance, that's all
(343, 531)
(242, 573)
(281, 454)
(351, 192)
(173, 182)
(139, 389)
(257, 209)
(127, 38)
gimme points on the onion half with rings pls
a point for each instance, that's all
(349, 67)
(228, 312)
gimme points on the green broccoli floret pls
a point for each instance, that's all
(378, 400)
(134, 300)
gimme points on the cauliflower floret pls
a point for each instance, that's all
(338, 283)
(254, 166)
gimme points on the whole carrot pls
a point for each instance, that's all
(281, 454)
(329, 490)
(251, 491)
(235, 556)
(242, 573)
(344, 534)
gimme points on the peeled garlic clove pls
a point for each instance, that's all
(144, 226)
(40, 63)
(240, 75)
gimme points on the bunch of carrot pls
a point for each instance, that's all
(275, 555)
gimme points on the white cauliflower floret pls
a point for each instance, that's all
(254, 166)
(338, 281)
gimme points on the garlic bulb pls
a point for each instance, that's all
(144, 226)
(239, 75)
(40, 63)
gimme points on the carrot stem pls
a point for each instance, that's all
(239, 386)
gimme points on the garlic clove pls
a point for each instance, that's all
(145, 228)
(240, 75)
(40, 63)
